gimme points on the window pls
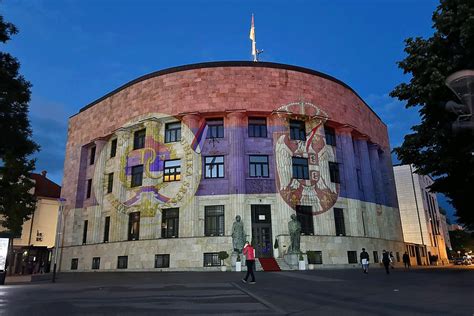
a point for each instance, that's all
(113, 148)
(304, 215)
(318, 258)
(330, 134)
(162, 261)
(74, 263)
(297, 130)
(214, 220)
(352, 256)
(122, 262)
(258, 166)
(92, 156)
(137, 176)
(334, 172)
(339, 221)
(173, 132)
(214, 167)
(110, 182)
(170, 223)
(257, 127)
(300, 168)
(376, 257)
(106, 228)
(139, 139)
(84, 232)
(95, 263)
(211, 259)
(134, 226)
(215, 128)
(398, 256)
(172, 170)
(89, 188)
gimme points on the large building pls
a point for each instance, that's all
(421, 220)
(157, 170)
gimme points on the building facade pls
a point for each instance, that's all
(421, 219)
(157, 170)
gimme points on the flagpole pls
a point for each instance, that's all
(254, 43)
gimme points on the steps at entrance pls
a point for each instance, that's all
(269, 264)
(283, 265)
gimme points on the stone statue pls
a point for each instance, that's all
(238, 235)
(294, 227)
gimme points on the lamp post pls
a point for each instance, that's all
(58, 235)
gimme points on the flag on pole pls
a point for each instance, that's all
(199, 138)
(252, 37)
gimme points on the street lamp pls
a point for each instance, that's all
(462, 84)
(58, 235)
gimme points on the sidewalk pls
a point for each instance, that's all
(17, 279)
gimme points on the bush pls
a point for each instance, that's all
(311, 256)
(223, 255)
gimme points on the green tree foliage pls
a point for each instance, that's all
(461, 241)
(16, 146)
(433, 148)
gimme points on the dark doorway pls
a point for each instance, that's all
(418, 257)
(262, 231)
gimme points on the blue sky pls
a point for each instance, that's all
(74, 52)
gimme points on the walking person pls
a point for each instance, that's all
(392, 260)
(386, 260)
(406, 260)
(249, 253)
(364, 260)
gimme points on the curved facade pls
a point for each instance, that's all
(157, 170)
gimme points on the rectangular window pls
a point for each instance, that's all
(257, 127)
(74, 263)
(106, 228)
(215, 128)
(162, 261)
(352, 256)
(134, 226)
(259, 166)
(173, 132)
(110, 182)
(84, 232)
(214, 167)
(304, 215)
(96, 263)
(297, 130)
(214, 220)
(122, 262)
(330, 134)
(211, 259)
(137, 176)
(172, 170)
(376, 257)
(139, 139)
(339, 221)
(113, 148)
(92, 156)
(170, 223)
(334, 172)
(300, 168)
(318, 258)
(89, 188)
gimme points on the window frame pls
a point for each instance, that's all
(113, 148)
(165, 218)
(110, 182)
(298, 168)
(339, 221)
(261, 166)
(166, 262)
(74, 263)
(136, 176)
(134, 230)
(215, 128)
(139, 139)
(106, 228)
(84, 231)
(330, 136)
(95, 263)
(217, 165)
(120, 262)
(89, 189)
(212, 259)
(334, 172)
(297, 130)
(172, 172)
(92, 155)
(352, 257)
(257, 127)
(218, 220)
(172, 134)
(304, 214)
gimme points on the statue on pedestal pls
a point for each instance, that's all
(238, 235)
(294, 227)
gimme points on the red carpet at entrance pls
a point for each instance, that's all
(269, 264)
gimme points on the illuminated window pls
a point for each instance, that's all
(172, 170)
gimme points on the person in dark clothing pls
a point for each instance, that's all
(364, 260)
(386, 261)
(406, 260)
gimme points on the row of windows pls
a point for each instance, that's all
(213, 222)
(257, 127)
(161, 261)
(352, 257)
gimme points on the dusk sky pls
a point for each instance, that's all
(74, 52)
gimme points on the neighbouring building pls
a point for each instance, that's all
(157, 170)
(421, 219)
(445, 229)
(33, 250)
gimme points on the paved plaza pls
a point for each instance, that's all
(448, 291)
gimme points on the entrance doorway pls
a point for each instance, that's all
(262, 231)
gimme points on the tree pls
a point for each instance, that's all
(433, 148)
(16, 146)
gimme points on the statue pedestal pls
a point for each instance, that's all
(233, 259)
(291, 259)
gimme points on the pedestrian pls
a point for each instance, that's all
(406, 260)
(386, 260)
(364, 260)
(249, 253)
(392, 260)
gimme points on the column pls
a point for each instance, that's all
(376, 168)
(366, 172)
(98, 188)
